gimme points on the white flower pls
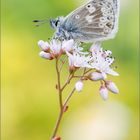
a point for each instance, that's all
(102, 61)
(45, 55)
(68, 45)
(95, 76)
(111, 86)
(55, 47)
(108, 52)
(77, 60)
(43, 45)
(95, 47)
(78, 49)
(79, 86)
(103, 92)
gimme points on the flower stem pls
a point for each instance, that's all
(62, 113)
(60, 90)
(59, 85)
(57, 124)
(67, 81)
(68, 98)
(62, 106)
(60, 100)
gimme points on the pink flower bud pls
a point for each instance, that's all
(56, 138)
(79, 86)
(95, 76)
(45, 55)
(43, 45)
(103, 92)
(111, 86)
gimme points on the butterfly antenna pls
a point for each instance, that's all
(40, 22)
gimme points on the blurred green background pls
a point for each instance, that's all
(29, 101)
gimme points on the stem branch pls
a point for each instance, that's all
(60, 90)
(68, 98)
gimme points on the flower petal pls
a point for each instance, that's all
(95, 76)
(104, 92)
(43, 45)
(45, 55)
(112, 87)
(68, 45)
(112, 72)
(95, 47)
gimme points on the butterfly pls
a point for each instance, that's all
(95, 21)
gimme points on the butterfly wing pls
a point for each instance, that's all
(95, 21)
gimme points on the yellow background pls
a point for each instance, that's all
(29, 100)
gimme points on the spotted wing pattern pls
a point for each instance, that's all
(95, 21)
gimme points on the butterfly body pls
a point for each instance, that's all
(95, 21)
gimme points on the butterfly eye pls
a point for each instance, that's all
(56, 23)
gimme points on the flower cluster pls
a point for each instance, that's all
(55, 48)
(96, 63)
